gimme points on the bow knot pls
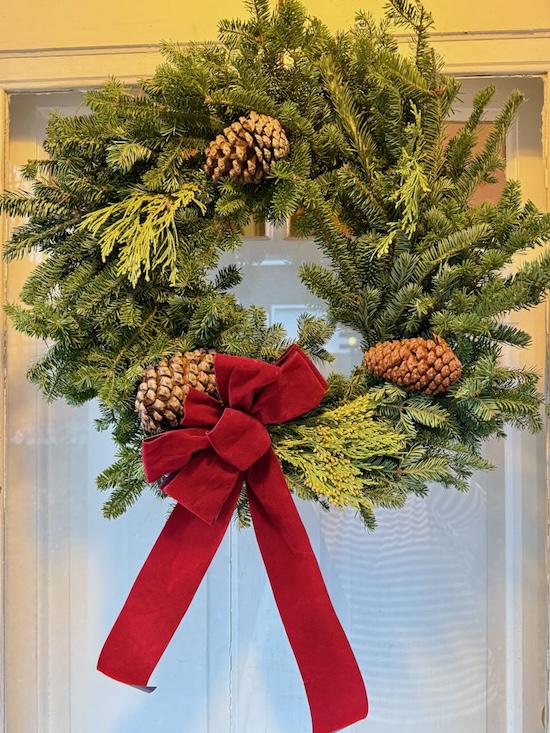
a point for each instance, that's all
(239, 439)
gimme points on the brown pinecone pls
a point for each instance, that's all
(420, 365)
(164, 387)
(246, 149)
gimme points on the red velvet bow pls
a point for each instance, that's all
(207, 463)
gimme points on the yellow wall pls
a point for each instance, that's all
(64, 23)
(451, 15)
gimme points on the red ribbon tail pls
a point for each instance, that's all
(332, 679)
(162, 593)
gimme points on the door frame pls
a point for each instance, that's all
(499, 53)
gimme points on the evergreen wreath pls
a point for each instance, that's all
(140, 197)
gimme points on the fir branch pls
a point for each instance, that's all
(353, 124)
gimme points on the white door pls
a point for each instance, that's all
(445, 604)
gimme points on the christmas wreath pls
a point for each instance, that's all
(347, 136)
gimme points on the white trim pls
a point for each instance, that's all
(546, 159)
(129, 48)
(506, 52)
(514, 572)
(35, 70)
(546, 140)
(488, 35)
(4, 131)
(74, 67)
(496, 55)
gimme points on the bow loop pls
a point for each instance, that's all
(238, 380)
(171, 451)
(205, 485)
(201, 410)
(272, 393)
(299, 389)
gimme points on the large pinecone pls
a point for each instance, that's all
(420, 365)
(246, 149)
(164, 387)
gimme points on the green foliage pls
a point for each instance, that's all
(130, 231)
(343, 456)
(143, 225)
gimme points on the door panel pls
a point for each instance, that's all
(445, 604)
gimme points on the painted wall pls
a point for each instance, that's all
(48, 25)
(465, 15)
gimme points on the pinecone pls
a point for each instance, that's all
(420, 365)
(164, 387)
(246, 149)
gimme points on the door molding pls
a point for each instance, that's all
(4, 127)
(74, 67)
(54, 69)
